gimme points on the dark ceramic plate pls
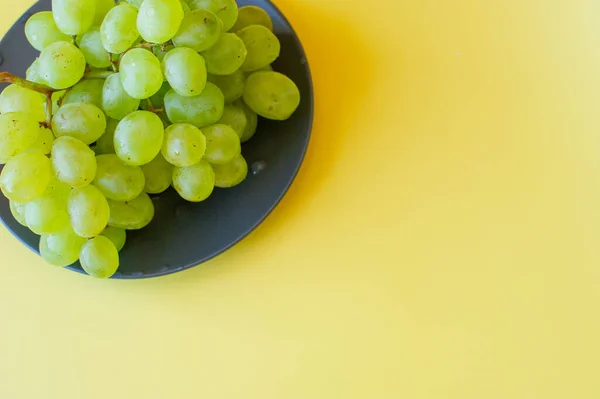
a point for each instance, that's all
(184, 234)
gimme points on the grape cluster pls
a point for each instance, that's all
(125, 101)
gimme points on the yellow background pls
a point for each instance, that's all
(442, 239)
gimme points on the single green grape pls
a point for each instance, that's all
(105, 144)
(185, 71)
(199, 30)
(141, 73)
(102, 9)
(235, 118)
(86, 91)
(47, 214)
(15, 98)
(159, 20)
(18, 132)
(99, 257)
(119, 30)
(116, 235)
(83, 121)
(88, 211)
(194, 183)
(90, 44)
(61, 65)
(41, 31)
(262, 45)
(25, 177)
(138, 137)
(272, 95)
(202, 110)
(226, 56)
(226, 10)
(232, 85)
(252, 15)
(222, 144)
(116, 102)
(74, 17)
(73, 161)
(43, 144)
(131, 215)
(117, 180)
(158, 175)
(232, 173)
(184, 144)
(18, 211)
(61, 248)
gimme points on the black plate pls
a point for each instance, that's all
(183, 234)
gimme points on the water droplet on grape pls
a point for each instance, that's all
(258, 166)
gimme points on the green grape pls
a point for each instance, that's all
(99, 257)
(25, 177)
(226, 10)
(158, 20)
(194, 183)
(139, 137)
(262, 45)
(74, 16)
(102, 8)
(105, 144)
(222, 144)
(33, 73)
(226, 56)
(18, 211)
(131, 215)
(184, 144)
(251, 121)
(117, 180)
(88, 211)
(115, 101)
(43, 144)
(235, 118)
(91, 46)
(83, 121)
(41, 31)
(86, 91)
(116, 235)
(47, 214)
(158, 175)
(61, 65)
(73, 161)
(18, 132)
(232, 173)
(61, 248)
(157, 100)
(272, 95)
(135, 3)
(141, 74)
(202, 110)
(119, 30)
(199, 30)
(232, 85)
(185, 71)
(15, 98)
(252, 15)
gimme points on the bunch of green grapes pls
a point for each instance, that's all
(125, 101)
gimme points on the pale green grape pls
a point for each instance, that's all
(15, 98)
(185, 71)
(199, 30)
(232, 85)
(226, 10)
(222, 144)
(201, 110)
(47, 214)
(141, 74)
(226, 56)
(83, 121)
(158, 175)
(99, 257)
(105, 144)
(86, 91)
(74, 16)
(33, 73)
(235, 118)
(25, 177)
(131, 215)
(116, 235)
(18, 132)
(251, 121)
(41, 31)
(139, 137)
(184, 144)
(88, 211)
(102, 8)
(18, 211)
(43, 144)
(272, 95)
(119, 30)
(159, 20)
(91, 46)
(115, 101)
(61, 65)
(232, 173)
(194, 183)
(61, 248)
(252, 15)
(73, 161)
(117, 180)
(262, 45)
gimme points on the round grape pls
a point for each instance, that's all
(25, 177)
(201, 110)
(232, 85)
(43, 144)
(116, 235)
(41, 31)
(184, 144)
(262, 45)
(86, 91)
(158, 175)
(99, 257)
(226, 10)
(15, 98)
(131, 215)
(73, 17)
(88, 211)
(117, 180)
(194, 183)
(47, 215)
(119, 30)
(73, 161)
(185, 71)
(199, 30)
(222, 144)
(61, 248)
(82, 121)
(18, 211)
(18, 132)
(61, 65)
(226, 56)
(159, 20)
(252, 15)
(115, 101)
(235, 118)
(232, 173)
(141, 73)
(272, 95)
(138, 137)
(91, 46)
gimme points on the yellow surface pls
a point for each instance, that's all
(441, 241)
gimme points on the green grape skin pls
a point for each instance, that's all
(15, 98)
(159, 20)
(135, 3)
(18, 211)
(73, 161)
(47, 214)
(61, 248)
(74, 17)
(18, 132)
(185, 71)
(232, 86)
(222, 144)
(117, 180)
(194, 183)
(88, 211)
(105, 144)
(232, 173)
(57, 189)
(86, 91)
(185, 7)
(25, 177)
(57, 97)
(252, 15)
(116, 235)
(158, 175)
(226, 10)
(202, 110)
(131, 215)
(272, 95)
(226, 56)
(33, 73)
(116, 102)
(118, 31)
(90, 44)
(99, 257)
(184, 144)
(199, 30)
(43, 144)
(262, 46)
(138, 138)
(141, 73)
(61, 65)
(102, 9)
(82, 121)
(235, 118)
(160, 51)
(41, 31)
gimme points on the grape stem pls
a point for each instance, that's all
(6, 77)
(151, 107)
